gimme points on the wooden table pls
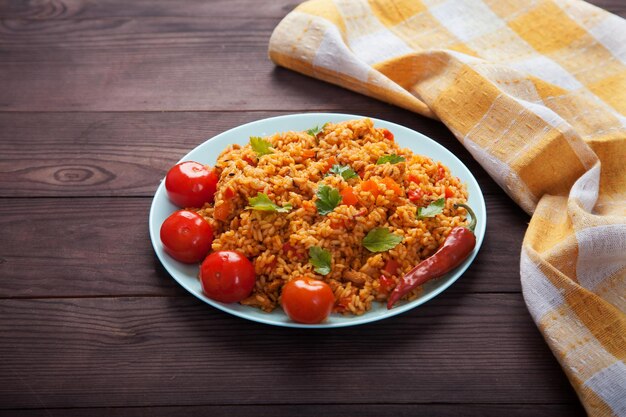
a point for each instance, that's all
(97, 101)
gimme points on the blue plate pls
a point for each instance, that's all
(207, 153)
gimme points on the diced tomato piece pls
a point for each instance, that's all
(361, 173)
(386, 284)
(415, 195)
(370, 186)
(222, 211)
(329, 164)
(287, 248)
(338, 224)
(249, 160)
(391, 267)
(228, 193)
(392, 185)
(441, 172)
(342, 304)
(387, 134)
(413, 178)
(348, 197)
(309, 206)
(308, 153)
(448, 192)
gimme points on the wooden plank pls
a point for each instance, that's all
(75, 9)
(316, 410)
(77, 247)
(126, 154)
(116, 352)
(95, 247)
(181, 63)
(119, 8)
(213, 62)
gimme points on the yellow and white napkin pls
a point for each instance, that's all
(536, 91)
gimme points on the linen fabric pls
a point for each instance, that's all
(536, 92)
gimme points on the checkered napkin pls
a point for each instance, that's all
(536, 91)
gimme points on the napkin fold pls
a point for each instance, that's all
(536, 92)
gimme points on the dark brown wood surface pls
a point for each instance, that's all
(97, 101)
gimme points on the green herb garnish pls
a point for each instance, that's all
(260, 146)
(315, 130)
(327, 199)
(380, 239)
(432, 209)
(390, 159)
(344, 170)
(320, 259)
(263, 203)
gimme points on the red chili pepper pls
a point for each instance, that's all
(457, 246)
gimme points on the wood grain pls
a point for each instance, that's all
(113, 352)
(72, 9)
(194, 62)
(133, 64)
(94, 247)
(98, 99)
(126, 154)
(315, 410)
(82, 9)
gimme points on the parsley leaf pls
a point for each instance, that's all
(260, 146)
(391, 159)
(327, 199)
(432, 209)
(344, 170)
(320, 259)
(263, 203)
(381, 239)
(314, 131)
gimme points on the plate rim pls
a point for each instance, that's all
(355, 320)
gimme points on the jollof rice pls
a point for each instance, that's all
(278, 243)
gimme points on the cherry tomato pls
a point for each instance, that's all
(186, 236)
(191, 184)
(307, 300)
(227, 276)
